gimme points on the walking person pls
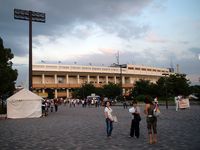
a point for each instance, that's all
(109, 118)
(125, 105)
(135, 123)
(56, 105)
(43, 108)
(176, 99)
(151, 121)
(52, 105)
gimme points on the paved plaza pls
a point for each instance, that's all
(84, 128)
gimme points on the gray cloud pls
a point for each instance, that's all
(67, 13)
(108, 15)
(147, 58)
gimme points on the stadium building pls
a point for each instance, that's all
(62, 79)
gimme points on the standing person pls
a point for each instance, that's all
(156, 105)
(109, 118)
(151, 121)
(135, 124)
(83, 102)
(56, 105)
(43, 108)
(52, 105)
(125, 104)
(156, 100)
(176, 100)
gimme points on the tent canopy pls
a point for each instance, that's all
(24, 104)
(24, 94)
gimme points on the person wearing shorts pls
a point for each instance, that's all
(151, 121)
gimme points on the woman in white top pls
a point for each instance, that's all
(109, 118)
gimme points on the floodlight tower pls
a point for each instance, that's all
(29, 16)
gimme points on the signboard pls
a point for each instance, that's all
(184, 103)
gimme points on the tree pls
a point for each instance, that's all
(195, 89)
(175, 84)
(111, 90)
(142, 87)
(86, 90)
(8, 76)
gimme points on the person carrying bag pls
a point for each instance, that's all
(135, 123)
(109, 118)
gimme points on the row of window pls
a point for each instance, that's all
(146, 69)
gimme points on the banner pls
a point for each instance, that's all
(184, 103)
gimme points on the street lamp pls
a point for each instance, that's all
(165, 85)
(29, 16)
(120, 66)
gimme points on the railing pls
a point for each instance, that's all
(97, 69)
(57, 86)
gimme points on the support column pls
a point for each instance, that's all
(106, 79)
(67, 79)
(131, 80)
(56, 93)
(88, 78)
(115, 79)
(43, 79)
(123, 80)
(78, 77)
(97, 79)
(55, 79)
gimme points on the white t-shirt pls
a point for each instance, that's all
(133, 110)
(137, 109)
(109, 111)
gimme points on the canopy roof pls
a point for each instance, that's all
(24, 94)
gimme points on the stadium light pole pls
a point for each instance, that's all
(29, 16)
(165, 84)
(121, 71)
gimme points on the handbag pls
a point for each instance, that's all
(137, 118)
(114, 118)
(156, 112)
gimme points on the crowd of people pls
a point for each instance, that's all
(84, 102)
(50, 105)
(151, 111)
(151, 107)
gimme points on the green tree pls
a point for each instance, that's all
(111, 90)
(8, 76)
(195, 89)
(86, 90)
(175, 84)
(142, 87)
(99, 91)
(161, 88)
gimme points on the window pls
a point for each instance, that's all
(60, 80)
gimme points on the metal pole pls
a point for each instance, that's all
(121, 80)
(30, 50)
(166, 94)
(165, 84)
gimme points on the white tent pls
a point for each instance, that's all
(24, 104)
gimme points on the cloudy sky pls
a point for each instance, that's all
(160, 33)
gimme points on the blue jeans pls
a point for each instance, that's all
(109, 126)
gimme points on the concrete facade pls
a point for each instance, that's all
(62, 78)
